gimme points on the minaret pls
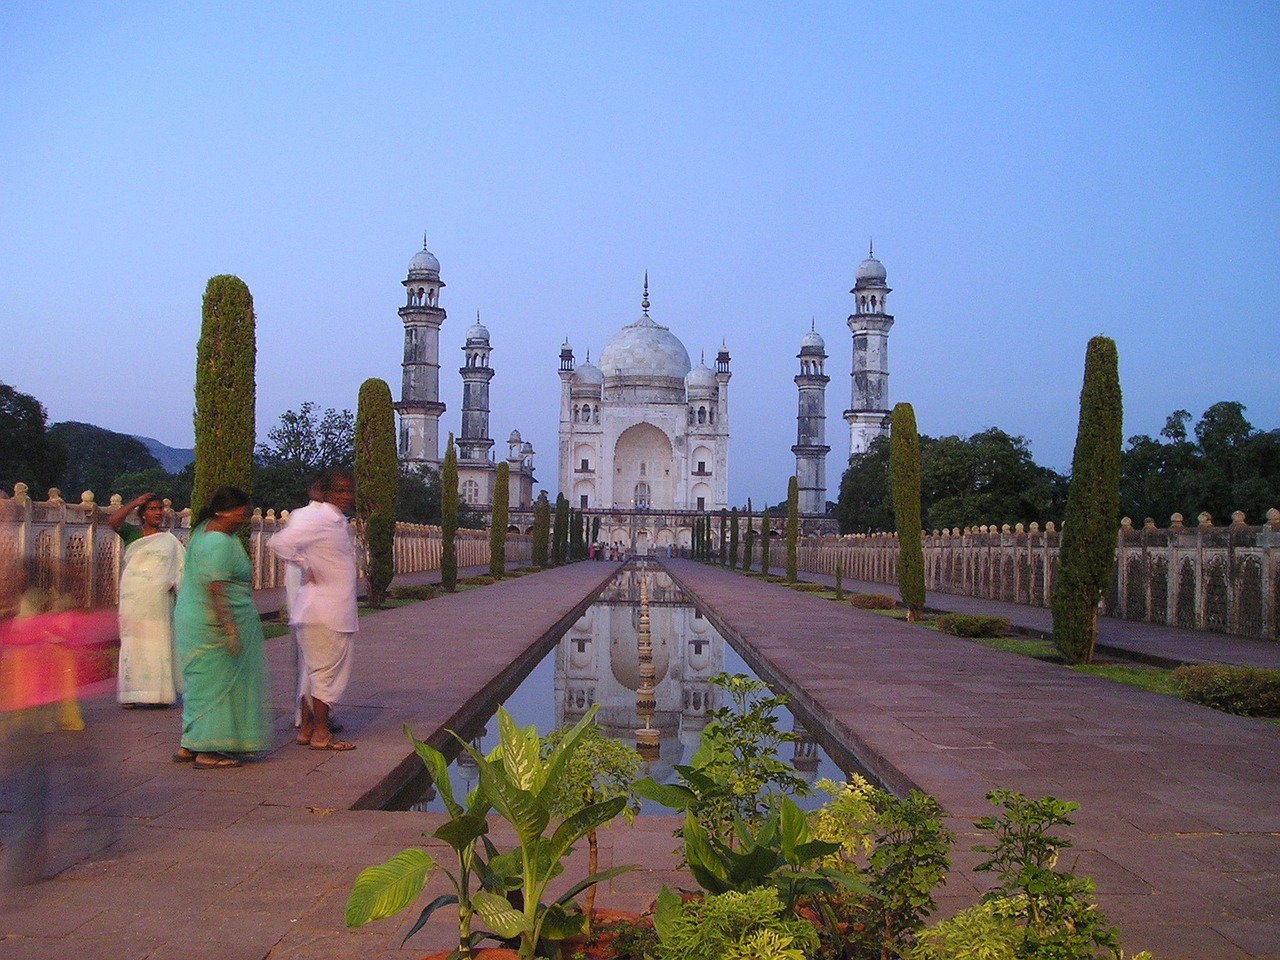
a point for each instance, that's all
(868, 415)
(721, 483)
(811, 425)
(475, 442)
(420, 405)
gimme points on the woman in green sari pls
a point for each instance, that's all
(220, 641)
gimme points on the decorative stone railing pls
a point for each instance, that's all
(71, 548)
(1221, 579)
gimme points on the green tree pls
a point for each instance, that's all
(595, 529)
(28, 454)
(418, 496)
(724, 537)
(577, 544)
(174, 486)
(541, 530)
(301, 444)
(560, 531)
(748, 543)
(733, 539)
(793, 530)
(864, 504)
(989, 477)
(764, 542)
(904, 480)
(226, 358)
(498, 522)
(95, 457)
(377, 473)
(449, 518)
(1087, 555)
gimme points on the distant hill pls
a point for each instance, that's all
(173, 459)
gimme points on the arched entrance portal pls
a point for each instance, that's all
(643, 469)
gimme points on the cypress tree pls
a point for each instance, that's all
(575, 534)
(449, 518)
(560, 531)
(1087, 556)
(541, 530)
(377, 473)
(839, 578)
(749, 542)
(724, 537)
(498, 522)
(225, 390)
(793, 530)
(733, 539)
(708, 552)
(695, 545)
(764, 542)
(904, 485)
(595, 529)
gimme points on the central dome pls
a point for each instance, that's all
(645, 349)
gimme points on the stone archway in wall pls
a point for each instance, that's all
(643, 469)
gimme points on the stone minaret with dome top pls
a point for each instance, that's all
(811, 425)
(868, 413)
(420, 407)
(475, 469)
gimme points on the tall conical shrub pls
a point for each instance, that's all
(226, 356)
(498, 521)
(449, 518)
(377, 473)
(904, 484)
(1087, 555)
(541, 530)
(733, 539)
(724, 537)
(748, 543)
(560, 531)
(793, 530)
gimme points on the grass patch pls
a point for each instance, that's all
(271, 630)
(1026, 646)
(1151, 679)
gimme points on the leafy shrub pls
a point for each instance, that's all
(1245, 691)
(731, 926)
(872, 601)
(984, 931)
(479, 580)
(973, 625)
(805, 586)
(423, 591)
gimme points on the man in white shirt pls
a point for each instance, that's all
(317, 540)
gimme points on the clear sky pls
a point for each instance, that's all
(1032, 175)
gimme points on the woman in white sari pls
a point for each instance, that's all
(149, 672)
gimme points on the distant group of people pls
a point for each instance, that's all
(606, 551)
(189, 626)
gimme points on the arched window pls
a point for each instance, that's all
(692, 415)
(702, 414)
(470, 491)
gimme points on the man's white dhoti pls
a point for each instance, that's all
(327, 656)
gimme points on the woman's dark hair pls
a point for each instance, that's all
(142, 507)
(224, 498)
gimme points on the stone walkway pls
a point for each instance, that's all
(153, 860)
(1180, 805)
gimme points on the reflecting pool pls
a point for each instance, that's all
(662, 687)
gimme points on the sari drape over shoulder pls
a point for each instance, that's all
(149, 671)
(224, 705)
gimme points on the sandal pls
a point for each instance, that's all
(183, 755)
(337, 746)
(219, 762)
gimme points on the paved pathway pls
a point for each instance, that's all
(1180, 805)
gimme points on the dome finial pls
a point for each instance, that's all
(871, 247)
(424, 239)
(644, 303)
(813, 324)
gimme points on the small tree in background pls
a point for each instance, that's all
(560, 531)
(724, 537)
(1087, 556)
(764, 542)
(904, 484)
(697, 538)
(449, 518)
(226, 357)
(793, 530)
(749, 542)
(708, 550)
(595, 529)
(733, 539)
(839, 578)
(377, 473)
(575, 534)
(541, 530)
(498, 522)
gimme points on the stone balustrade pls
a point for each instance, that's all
(77, 553)
(1201, 577)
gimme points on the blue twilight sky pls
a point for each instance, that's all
(1032, 174)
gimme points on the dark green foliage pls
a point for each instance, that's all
(864, 504)
(95, 457)
(1244, 691)
(377, 473)
(176, 487)
(1087, 556)
(418, 496)
(793, 530)
(872, 601)
(1054, 908)
(498, 521)
(28, 454)
(973, 625)
(748, 542)
(839, 579)
(541, 530)
(595, 529)
(577, 536)
(733, 539)
(225, 389)
(724, 537)
(420, 591)
(301, 444)
(765, 538)
(449, 518)
(904, 482)
(560, 531)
